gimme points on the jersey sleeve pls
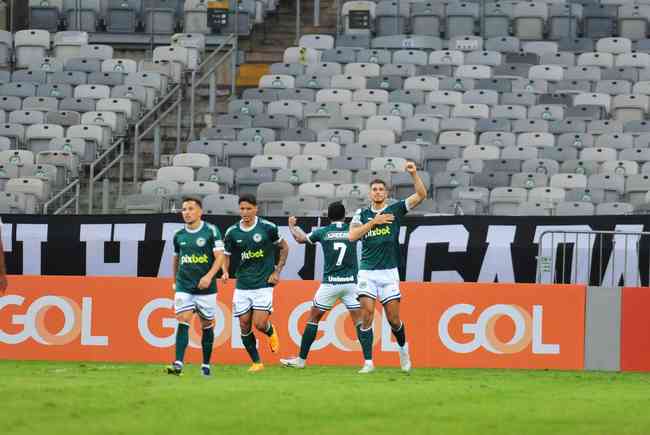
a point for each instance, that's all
(227, 242)
(315, 236)
(274, 234)
(217, 241)
(175, 243)
(400, 208)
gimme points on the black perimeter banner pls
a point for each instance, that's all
(438, 249)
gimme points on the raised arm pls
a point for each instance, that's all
(3, 268)
(297, 232)
(420, 189)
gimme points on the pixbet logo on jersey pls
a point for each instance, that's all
(77, 321)
(527, 329)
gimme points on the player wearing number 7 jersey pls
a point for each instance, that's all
(379, 226)
(339, 276)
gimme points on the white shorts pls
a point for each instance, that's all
(245, 300)
(204, 305)
(327, 295)
(382, 285)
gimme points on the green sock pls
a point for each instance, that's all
(365, 338)
(400, 335)
(250, 343)
(182, 338)
(269, 330)
(308, 337)
(207, 340)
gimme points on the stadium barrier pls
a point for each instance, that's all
(436, 248)
(522, 326)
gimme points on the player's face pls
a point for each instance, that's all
(191, 212)
(378, 193)
(247, 211)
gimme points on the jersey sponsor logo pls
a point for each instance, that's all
(257, 237)
(337, 235)
(377, 232)
(195, 259)
(200, 242)
(249, 255)
(183, 243)
(340, 278)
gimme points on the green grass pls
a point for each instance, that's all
(96, 398)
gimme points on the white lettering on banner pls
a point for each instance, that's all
(168, 231)
(95, 235)
(167, 322)
(527, 330)
(333, 329)
(582, 258)
(296, 258)
(32, 236)
(497, 263)
(77, 321)
(457, 237)
(624, 258)
(7, 230)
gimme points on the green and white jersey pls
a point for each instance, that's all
(257, 249)
(195, 251)
(341, 264)
(380, 246)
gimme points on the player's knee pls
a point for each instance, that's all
(205, 324)
(261, 326)
(393, 320)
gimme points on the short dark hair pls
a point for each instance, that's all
(378, 181)
(193, 199)
(336, 211)
(248, 197)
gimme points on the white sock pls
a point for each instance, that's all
(301, 361)
(205, 365)
(368, 362)
(178, 363)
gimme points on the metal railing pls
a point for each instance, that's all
(61, 198)
(175, 95)
(609, 258)
(207, 70)
(106, 161)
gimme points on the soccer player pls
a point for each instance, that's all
(378, 226)
(257, 241)
(339, 276)
(198, 256)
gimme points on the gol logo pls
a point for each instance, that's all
(77, 321)
(222, 327)
(527, 329)
(333, 327)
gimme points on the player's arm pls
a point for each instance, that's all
(358, 230)
(420, 189)
(206, 280)
(175, 262)
(297, 232)
(274, 278)
(225, 258)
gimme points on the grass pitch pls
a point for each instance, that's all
(98, 398)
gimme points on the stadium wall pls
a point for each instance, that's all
(523, 326)
(438, 249)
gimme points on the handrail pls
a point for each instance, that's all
(94, 177)
(77, 187)
(220, 58)
(583, 255)
(177, 91)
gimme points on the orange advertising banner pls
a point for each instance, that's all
(635, 324)
(447, 325)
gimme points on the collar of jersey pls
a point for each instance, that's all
(248, 229)
(377, 211)
(196, 230)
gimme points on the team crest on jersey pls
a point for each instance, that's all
(200, 242)
(257, 237)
